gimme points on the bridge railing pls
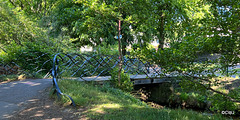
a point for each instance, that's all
(84, 65)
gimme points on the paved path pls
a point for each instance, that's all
(14, 95)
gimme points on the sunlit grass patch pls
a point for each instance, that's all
(105, 102)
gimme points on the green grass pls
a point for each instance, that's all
(104, 102)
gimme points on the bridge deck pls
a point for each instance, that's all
(138, 79)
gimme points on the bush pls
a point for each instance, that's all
(189, 100)
(213, 101)
(125, 83)
(221, 103)
(30, 57)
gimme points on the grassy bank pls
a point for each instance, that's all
(104, 102)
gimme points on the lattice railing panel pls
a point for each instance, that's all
(83, 65)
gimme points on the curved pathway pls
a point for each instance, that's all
(14, 95)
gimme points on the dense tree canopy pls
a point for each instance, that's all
(95, 21)
(15, 27)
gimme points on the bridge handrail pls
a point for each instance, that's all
(80, 63)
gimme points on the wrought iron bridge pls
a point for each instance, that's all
(84, 67)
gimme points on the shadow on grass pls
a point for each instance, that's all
(136, 113)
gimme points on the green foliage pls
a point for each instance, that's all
(194, 77)
(125, 83)
(144, 52)
(31, 57)
(191, 87)
(34, 8)
(197, 34)
(81, 23)
(189, 99)
(22, 40)
(184, 96)
(220, 103)
(217, 101)
(17, 27)
(105, 49)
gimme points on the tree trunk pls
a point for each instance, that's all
(120, 52)
(124, 46)
(161, 31)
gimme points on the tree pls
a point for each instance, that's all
(201, 27)
(38, 8)
(93, 22)
(16, 27)
(224, 29)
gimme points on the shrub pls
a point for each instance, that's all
(125, 83)
(221, 103)
(31, 57)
